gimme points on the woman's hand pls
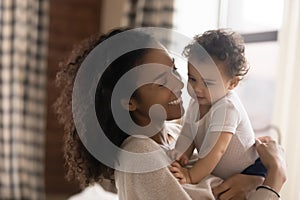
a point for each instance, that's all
(182, 174)
(271, 155)
(237, 187)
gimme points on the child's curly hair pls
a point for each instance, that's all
(222, 45)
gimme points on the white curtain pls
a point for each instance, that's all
(287, 110)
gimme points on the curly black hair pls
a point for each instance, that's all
(80, 164)
(223, 46)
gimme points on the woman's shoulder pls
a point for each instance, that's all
(139, 144)
(141, 154)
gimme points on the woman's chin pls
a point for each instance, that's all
(176, 114)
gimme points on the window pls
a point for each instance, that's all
(258, 21)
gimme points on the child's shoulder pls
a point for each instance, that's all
(230, 100)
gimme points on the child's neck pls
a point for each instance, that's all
(203, 109)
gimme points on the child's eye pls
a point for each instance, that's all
(208, 83)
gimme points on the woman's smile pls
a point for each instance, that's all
(175, 102)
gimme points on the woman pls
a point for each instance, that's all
(155, 99)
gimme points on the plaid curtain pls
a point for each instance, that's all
(145, 13)
(23, 49)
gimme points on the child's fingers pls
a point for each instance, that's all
(182, 181)
(178, 175)
(176, 164)
(184, 161)
(174, 169)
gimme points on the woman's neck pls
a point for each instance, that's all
(162, 138)
(158, 138)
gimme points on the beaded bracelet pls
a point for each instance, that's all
(268, 188)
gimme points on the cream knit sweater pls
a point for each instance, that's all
(160, 184)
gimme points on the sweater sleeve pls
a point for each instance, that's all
(157, 184)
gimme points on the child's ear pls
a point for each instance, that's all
(234, 82)
(129, 105)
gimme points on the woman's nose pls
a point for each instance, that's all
(178, 82)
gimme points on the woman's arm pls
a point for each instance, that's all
(241, 186)
(271, 155)
(238, 186)
(204, 166)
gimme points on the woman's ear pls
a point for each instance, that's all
(234, 82)
(129, 105)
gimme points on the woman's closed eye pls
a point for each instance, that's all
(161, 83)
(192, 79)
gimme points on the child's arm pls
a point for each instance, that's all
(184, 145)
(204, 166)
(184, 158)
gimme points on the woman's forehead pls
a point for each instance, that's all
(160, 56)
(150, 72)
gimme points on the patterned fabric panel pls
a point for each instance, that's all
(23, 50)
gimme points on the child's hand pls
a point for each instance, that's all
(175, 155)
(182, 174)
(183, 160)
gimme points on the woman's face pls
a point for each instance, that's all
(165, 89)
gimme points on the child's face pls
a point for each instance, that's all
(209, 86)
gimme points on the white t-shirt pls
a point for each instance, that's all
(225, 115)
